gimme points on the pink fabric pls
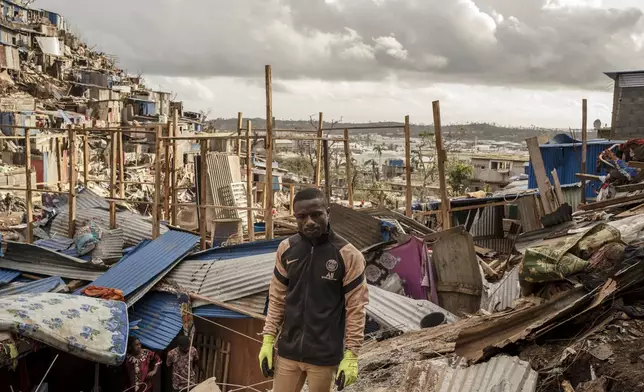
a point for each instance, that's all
(414, 268)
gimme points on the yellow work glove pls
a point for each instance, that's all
(266, 356)
(347, 371)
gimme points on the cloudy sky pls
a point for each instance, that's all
(515, 62)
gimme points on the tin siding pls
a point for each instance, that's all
(566, 158)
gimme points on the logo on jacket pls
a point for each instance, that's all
(331, 265)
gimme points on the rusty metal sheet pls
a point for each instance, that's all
(359, 229)
(458, 275)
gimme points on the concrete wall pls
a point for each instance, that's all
(629, 116)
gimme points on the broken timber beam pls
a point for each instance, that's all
(611, 202)
(545, 189)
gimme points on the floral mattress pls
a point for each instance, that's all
(90, 328)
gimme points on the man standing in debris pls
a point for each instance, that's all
(183, 360)
(319, 293)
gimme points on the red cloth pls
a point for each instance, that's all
(104, 293)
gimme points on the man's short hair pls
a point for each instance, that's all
(310, 194)
(183, 341)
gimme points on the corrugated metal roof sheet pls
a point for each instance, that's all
(223, 170)
(38, 286)
(85, 199)
(142, 267)
(237, 251)
(135, 227)
(505, 292)
(38, 260)
(566, 158)
(405, 221)
(215, 311)
(631, 80)
(226, 280)
(161, 321)
(399, 312)
(499, 374)
(359, 229)
(255, 303)
(6, 276)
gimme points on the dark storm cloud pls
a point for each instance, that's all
(527, 42)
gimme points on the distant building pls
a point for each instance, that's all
(393, 168)
(628, 104)
(495, 171)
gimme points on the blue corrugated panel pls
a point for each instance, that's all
(217, 312)
(7, 276)
(237, 251)
(160, 316)
(38, 286)
(566, 158)
(58, 244)
(143, 266)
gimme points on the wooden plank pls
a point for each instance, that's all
(166, 175)
(175, 165)
(610, 202)
(442, 157)
(28, 195)
(558, 191)
(584, 147)
(327, 175)
(318, 152)
(73, 173)
(268, 214)
(408, 188)
(630, 187)
(543, 184)
(347, 158)
(249, 183)
(224, 376)
(636, 164)
(202, 193)
(212, 354)
(590, 177)
(121, 164)
(291, 204)
(156, 228)
(240, 118)
(458, 276)
(112, 169)
(86, 159)
(59, 163)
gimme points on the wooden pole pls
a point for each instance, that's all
(347, 158)
(156, 229)
(59, 164)
(268, 214)
(318, 153)
(166, 178)
(113, 180)
(584, 142)
(408, 189)
(71, 228)
(249, 183)
(291, 203)
(327, 175)
(29, 201)
(121, 164)
(557, 186)
(86, 158)
(442, 157)
(175, 165)
(240, 125)
(203, 230)
(545, 189)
